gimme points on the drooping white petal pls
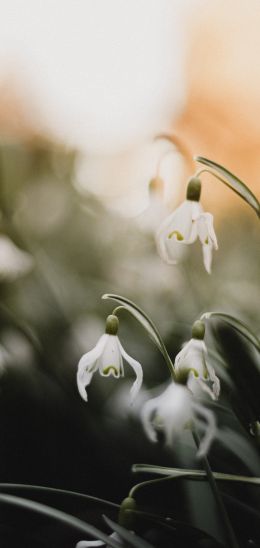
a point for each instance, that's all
(170, 411)
(137, 369)
(175, 411)
(207, 257)
(110, 361)
(211, 427)
(147, 417)
(88, 365)
(214, 379)
(207, 237)
(178, 228)
(193, 358)
(13, 261)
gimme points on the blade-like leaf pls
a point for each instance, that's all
(192, 474)
(62, 517)
(236, 324)
(38, 490)
(232, 181)
(132, 540)
(145, 321)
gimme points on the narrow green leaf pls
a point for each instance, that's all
(132, 540)
(232, 181)
(236, 324)
(192, 474)
(37, 490)
(62, 517)
(146, 322)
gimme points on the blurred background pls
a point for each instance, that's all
(85, 87)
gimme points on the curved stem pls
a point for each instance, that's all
(147, 483)
(162, 347)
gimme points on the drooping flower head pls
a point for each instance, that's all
(192, 366)
(187, 223)
(175, 410)
(107, 358)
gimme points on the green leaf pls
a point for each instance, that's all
(38, 490)
(192, 474)
(61, 517)
(146, 322)
(236, 324)
(132, 540)
(232, 181)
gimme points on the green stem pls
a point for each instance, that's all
(147, 483)
(221, 507)
(162, 345)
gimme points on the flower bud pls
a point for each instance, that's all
(112, 324)
(126, 518)
(193, 189)
(198, 330)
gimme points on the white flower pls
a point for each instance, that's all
(187, 223)
(191, 360)
(175, 410)
(107, 358)
(13, 261)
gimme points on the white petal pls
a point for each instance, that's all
(110, 361)
(211, 428)
(137, 369)
(207, 257)
(177, 229)
(207, 237)
(88, 365)
(215, 380)
(182, 356)
(146, 417)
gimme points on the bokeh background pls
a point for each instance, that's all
(85, 87)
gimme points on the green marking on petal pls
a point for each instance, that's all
(194, 371)
(109, 368)
(178, 235)
(206, 241)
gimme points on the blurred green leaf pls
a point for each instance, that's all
(62, 517)
(233, 182)
(236, 324)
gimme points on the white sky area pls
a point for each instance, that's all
(104, 76)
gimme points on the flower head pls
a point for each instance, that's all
(192, 367)
(175, 410)
(107, 358)
(187, 223)
(13, 261)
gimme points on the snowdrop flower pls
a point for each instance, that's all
(107, 358)
(185, 225)
(13, 261)
(175, 410)
(191, 365)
